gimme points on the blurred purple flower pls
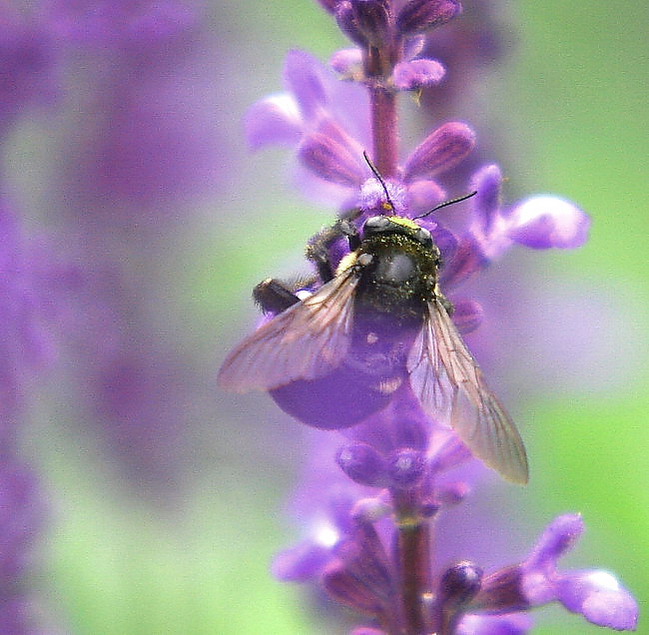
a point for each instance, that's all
(29, 72)
(28, 342)
(146, 137)
(123, 24)
(22, 513)
(27, 304)
(143, 145)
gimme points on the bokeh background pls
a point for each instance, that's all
(165, 496)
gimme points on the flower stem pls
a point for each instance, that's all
(384, 130)
(413, 554)
(383, 104)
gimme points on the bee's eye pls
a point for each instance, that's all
(424, 237)
(376, 224)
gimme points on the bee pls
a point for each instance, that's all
(380, 324)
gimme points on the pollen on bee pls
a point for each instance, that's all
(372, 338)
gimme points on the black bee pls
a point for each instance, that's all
(380, 323)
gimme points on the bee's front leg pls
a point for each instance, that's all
(350, 231)
(318, 249)
(274, 296)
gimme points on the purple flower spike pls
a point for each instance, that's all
(542, 222)
(383, 386)
(422, 15)
(444, 148)
(416, 74)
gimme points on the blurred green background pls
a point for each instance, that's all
(571, 103)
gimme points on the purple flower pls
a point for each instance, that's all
(323, 120)
(404, 440)
(595, 594)
(539, 222)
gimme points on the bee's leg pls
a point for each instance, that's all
(318, 249)
(444, 301)
(318, 254)
(351, 233)
(273, 296)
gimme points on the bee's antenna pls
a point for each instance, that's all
(379, 178)
(459, 199)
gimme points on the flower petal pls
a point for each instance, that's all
(444, 148)
(486, 204)
(348, 62)
(422, 196)
(301, 563)
(422, 15)
(417, 74)
(600, 598)
(333, 155)
(545, 221)
(274, 120)
(304, 80)
(467, 315)
(512, 624)
(558, 538)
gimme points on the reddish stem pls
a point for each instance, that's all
(384, 130)
(413, 553)
(383, 105)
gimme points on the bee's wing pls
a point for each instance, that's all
(306, 341)
(448, 382)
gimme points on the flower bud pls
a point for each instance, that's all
(421, 15)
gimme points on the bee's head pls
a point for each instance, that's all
(397, 225)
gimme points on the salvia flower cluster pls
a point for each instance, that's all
(373, 491)
(128, 151)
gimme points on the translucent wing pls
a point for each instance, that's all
(449, 383)
(306, 341)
